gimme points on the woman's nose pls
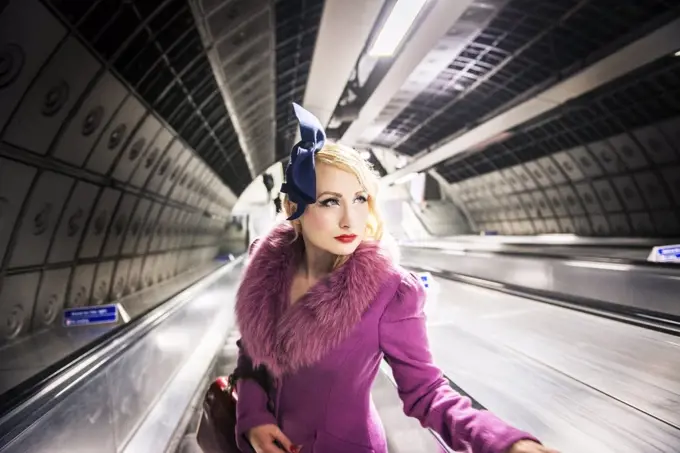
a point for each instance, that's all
(345, 220)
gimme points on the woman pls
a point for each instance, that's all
(321, 304)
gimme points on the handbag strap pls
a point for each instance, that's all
(247, 371)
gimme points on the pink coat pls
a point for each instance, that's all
(324, 352)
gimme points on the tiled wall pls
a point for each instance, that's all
(99, 198)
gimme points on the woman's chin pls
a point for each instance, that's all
(342, 249)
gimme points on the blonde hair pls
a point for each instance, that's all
(350, 160)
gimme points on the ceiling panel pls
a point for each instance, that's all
(527, 46)
(297, 26)
(157, 49)
(619, 112)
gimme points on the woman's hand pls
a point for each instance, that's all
(529, 446)
(262, 440)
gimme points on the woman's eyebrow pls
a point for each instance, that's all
(338, 195)
(330, 193)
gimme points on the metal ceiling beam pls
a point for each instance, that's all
(438, 21)
(659, 43)
(344, 30)
(252, 158)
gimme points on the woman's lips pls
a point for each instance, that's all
(346, 238)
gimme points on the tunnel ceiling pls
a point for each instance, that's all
(156, 48)
(222, 73)
(522, 45)
(606, 163)
(297, 27)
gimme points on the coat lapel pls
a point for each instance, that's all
(287, 338)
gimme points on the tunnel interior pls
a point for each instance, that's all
(100, 197)
(130, 130)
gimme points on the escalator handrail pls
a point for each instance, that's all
(560, 240)
(643, 264)
(22, 406)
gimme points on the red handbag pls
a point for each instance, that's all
(217, 428)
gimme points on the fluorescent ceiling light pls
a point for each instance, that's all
(396, 26)
(406, 178)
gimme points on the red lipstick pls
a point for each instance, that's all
(346, 238)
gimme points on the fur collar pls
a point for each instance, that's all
(284, 337)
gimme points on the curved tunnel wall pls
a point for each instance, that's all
(606, 164)
(99, 198)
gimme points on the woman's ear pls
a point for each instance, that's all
(290, 207)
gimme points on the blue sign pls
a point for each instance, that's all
(86, 316)
(425, 279)
(665, 254)
(671, 252)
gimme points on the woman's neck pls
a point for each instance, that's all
(316, 262)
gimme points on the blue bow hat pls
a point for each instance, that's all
(300, 182)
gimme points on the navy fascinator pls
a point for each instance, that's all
(300, 182)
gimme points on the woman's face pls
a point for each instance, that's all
(337, 221)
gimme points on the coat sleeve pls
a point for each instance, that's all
(424, 391)
(251, 407)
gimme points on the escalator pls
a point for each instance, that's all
(578, 381)
(577, 378)
(581, 351)
(110, 396)
(580, 378)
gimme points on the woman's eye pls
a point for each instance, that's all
(336, 202)
(329, 202)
